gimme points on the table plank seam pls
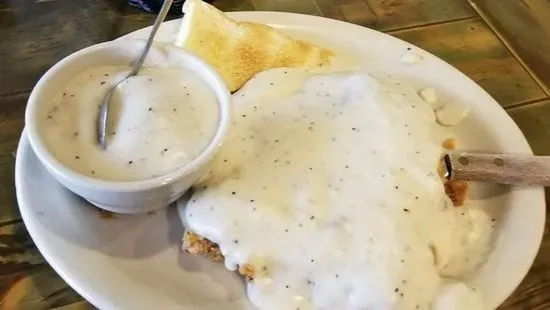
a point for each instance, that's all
(526, 103)
(510, 48)
(426, 25)
(11, 222)
(15, 94)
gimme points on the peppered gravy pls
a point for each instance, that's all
(161, 119)
(327, 188)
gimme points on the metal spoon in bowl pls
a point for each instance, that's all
(102, 119)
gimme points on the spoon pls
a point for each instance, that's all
(498, 168)
(104, 108)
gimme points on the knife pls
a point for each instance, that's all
(509, 169)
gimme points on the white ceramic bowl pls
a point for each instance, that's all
(134, 196)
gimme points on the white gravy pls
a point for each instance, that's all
(330, 193)
(162, 119)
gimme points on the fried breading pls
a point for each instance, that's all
(194, 244)
(197, 245)
(456, 190)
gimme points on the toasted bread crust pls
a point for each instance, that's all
(239, 50)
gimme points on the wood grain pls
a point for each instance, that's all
(36, 34)
(534, 121)
(528, 18)
(303, 6)
(26, 281)
(396, 14)
(34, 44)
(471, 47)
(388, 15)
(12, 111)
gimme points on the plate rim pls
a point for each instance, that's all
(98, 301)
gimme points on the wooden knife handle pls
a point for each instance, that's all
(499, 168)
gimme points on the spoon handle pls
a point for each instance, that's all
(498, 168)
(158, 21)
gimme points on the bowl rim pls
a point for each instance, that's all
(215, 82)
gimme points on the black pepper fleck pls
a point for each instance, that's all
(77, 157)
(396, 289)
(233, 193)
(406, 210)
(150, 109)
(312, 217)
(312, 260)
(130, 162)
(102, 83)
(236, 241)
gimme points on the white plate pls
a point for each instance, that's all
(134, 262)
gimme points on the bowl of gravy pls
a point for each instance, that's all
(166, 124)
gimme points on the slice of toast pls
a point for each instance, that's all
(238, 50)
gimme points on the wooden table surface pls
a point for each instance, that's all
(34, 34)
